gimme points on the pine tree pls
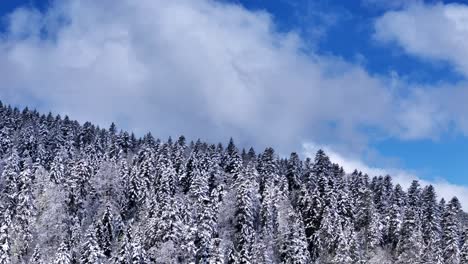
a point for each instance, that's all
(216, 253)
(194, 171)
(62, 256)
(410, 244)
(166, 224)
(395, 217)
(5, 239)
(57, 168)
(245, 216)
(328, 232)
(311, 207)
(25, 213)
(134, 188)
(430, 226)
(107, 230)
(295, 243)
(178, 155)
(6, 140)
(139, 254)
(344, 249)
(451, 235)
(294, 172)
(464, 249)
(90, 252)
(10, 175)
(201, 203)
(124, 255)
(199, 187)
(36, 257)
(232, 161)
(145, 166)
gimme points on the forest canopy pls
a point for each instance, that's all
(78, 193)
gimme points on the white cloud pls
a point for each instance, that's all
(207, 69)
(432, 32)
(201, 68)
(404, 178)
(429, 31)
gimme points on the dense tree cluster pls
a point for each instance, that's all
(77, 193)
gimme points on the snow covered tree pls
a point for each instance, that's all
(58, 167)
(63, 256)
(10, 175)
(294, 173)
(410, 244)
(107, 232)
(124, 254)
(36, 257)
(451, 235)
(430, 227)
(5, 239)
(232, 161)
(25, 213)
(91, 253)
(395, 217)
(138, 252)
(346, 247)
(143, 200)
(245, 232)
(295, 242)
(464, 249)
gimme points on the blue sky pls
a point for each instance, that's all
(348, 29)
(381, 85)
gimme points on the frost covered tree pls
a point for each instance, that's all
(452, 232)
(410, 244)
(106, 227)
(36, 257)
(78, 193)
(245, 232)
(91, 252)
(295, 242)
(25, 214)
(62, 256)
(464, 249)
(431, 227)
(5, 239)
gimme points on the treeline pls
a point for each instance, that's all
(77, 193)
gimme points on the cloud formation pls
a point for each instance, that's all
(213, 70)
(204, 69)
(201, 68)
(435, 33)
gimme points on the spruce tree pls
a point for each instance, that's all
(124, 254)
(36, 257)
(464, 249)
(107, 230)
(138, 252)
(451, 235)
(245, 233)
(395, 217)
(296, 243)
(62, 256)
(25, 213)
(430, 226)
(294, 172)
(410, 244)
(5, 238)
(232, 160)
(91, 253)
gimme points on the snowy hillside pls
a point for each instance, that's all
(77, 193)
